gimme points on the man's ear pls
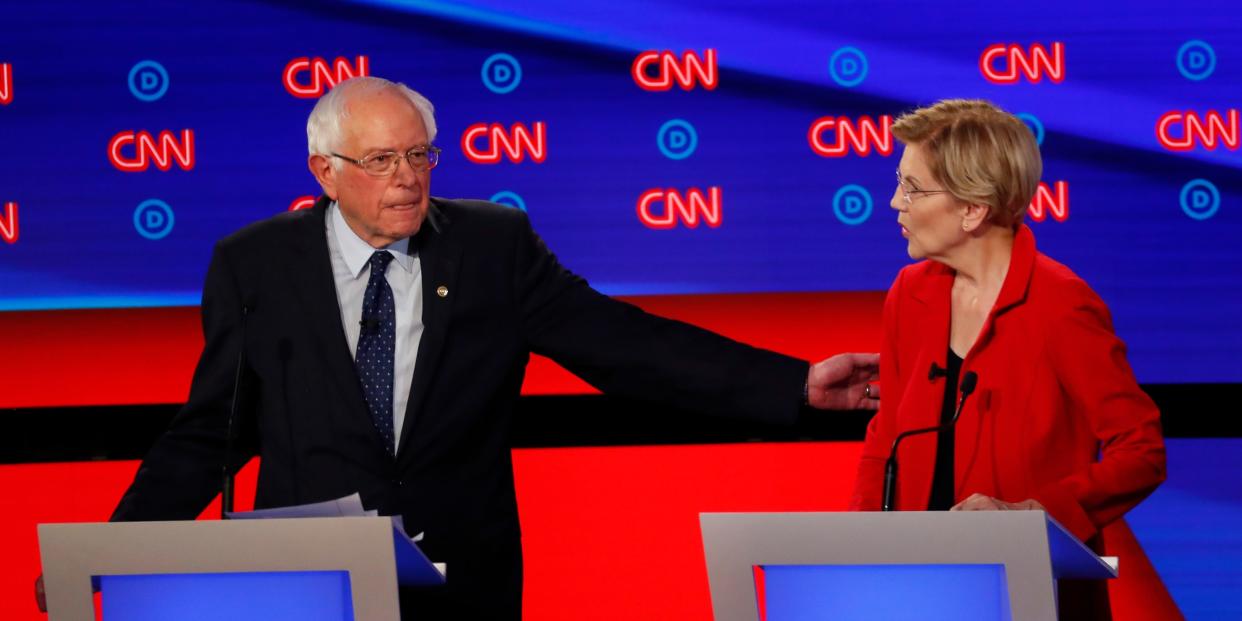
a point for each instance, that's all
(325, 173)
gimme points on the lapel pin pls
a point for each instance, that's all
(442, 291)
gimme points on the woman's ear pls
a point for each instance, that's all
(974, 215)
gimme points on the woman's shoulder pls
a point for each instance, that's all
(1054, 284)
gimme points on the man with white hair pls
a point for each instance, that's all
(385, 336)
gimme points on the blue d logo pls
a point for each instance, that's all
(1196, 60)
(508, 199)
(677, 139)
(852, 204)
(1036, 126)
(1200, 199)
(501, 73)
(153, 219)
(148, 80)
(848, 67)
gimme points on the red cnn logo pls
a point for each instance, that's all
(1045, 202)
(6, 83)
(1034, 65)
(322, 75)
(146, 150)
(861, 136)
(302, 202)
(685, 208)
(687, 71)
(516, 143)
(1203, 130)
(8, 223)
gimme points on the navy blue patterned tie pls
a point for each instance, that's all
(377, 344)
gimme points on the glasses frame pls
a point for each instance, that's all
(432, 154)
(905, 193)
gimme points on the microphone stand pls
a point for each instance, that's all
(969, 380)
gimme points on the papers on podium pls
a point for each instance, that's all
(412, 566)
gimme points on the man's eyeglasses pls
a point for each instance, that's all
(906, 192)
(385, 163)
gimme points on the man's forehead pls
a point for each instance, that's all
(378, 102)
(377, 115)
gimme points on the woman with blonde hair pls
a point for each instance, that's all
(1056, 421)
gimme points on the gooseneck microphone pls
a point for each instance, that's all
(226, 487)
(969, 380)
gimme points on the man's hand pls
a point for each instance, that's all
(40, 598)
(982, 502)
(843, 382)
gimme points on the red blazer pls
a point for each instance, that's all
(1056, 416)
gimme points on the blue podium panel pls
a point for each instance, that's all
(888, 592)
(268, 596)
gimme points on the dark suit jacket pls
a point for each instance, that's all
(1057, 415)
(452, 477)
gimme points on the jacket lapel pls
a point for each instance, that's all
(1017, 282)
(934, 296)
(440, 257)
(317, 290)
(922, 399)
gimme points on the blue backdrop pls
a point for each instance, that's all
(1152, 225)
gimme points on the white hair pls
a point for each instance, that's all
(323, 127)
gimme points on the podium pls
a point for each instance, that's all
(994, 565)
(305, 568)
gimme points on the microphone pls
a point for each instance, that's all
(284, 352)
(226, 487)
(969, 381)
(936, 372)
(369, 323)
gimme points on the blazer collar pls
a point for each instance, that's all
(313, 273)
(934, 290)
(440, 253)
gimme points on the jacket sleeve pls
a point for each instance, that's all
(1091, 367)
(182, 472)
(869, 482)
(620, 349)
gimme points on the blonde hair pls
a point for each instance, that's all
(979, 153)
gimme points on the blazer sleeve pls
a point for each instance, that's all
(1091, 366)
(182, 472)
(620, 349)
(869, 482)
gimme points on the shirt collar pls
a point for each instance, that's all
(357, 253)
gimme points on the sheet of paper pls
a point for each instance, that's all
(412, 565)
(349, 506)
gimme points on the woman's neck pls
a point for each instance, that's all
(983, 261)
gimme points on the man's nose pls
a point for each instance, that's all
(405, 173)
